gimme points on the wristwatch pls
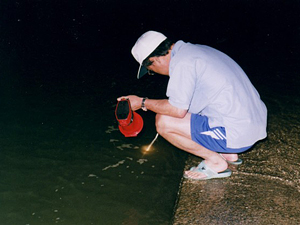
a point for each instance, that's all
(143, 107)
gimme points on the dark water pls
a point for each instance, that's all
(63, 159)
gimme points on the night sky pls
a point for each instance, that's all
(80, 41)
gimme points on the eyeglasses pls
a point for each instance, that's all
(150, 72)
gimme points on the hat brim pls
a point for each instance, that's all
(134, 128)
(142, 71)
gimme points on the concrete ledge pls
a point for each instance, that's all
(244, 198)
(265, 189)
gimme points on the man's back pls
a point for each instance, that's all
(208, 82)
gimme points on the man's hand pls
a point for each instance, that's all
(160, 106)
(135, 101)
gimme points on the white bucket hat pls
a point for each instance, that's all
(144, 46)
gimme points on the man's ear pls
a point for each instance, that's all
(157, 59)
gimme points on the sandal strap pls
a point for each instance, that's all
(203, 168)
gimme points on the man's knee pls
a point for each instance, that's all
(167, 124)
(161, 123)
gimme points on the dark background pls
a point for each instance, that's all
(78, 43)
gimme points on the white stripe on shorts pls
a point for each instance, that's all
(219, 134)
(211, 134)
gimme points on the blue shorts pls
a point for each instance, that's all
(214, 138)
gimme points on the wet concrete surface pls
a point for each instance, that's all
(265, 189)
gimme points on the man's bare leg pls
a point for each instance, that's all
(178, 132)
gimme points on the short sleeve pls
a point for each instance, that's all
(181, 85)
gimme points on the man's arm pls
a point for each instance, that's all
(161, 106)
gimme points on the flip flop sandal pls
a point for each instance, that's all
(210, 173)
(237, 162)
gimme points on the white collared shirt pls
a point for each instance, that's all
(206, 81)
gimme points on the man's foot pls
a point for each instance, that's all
(205, 172)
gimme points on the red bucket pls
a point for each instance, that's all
(130, 123)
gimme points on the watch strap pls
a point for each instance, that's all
(143, 107)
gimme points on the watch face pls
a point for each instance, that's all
(143, 104)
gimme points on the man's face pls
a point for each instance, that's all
(160, 64)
